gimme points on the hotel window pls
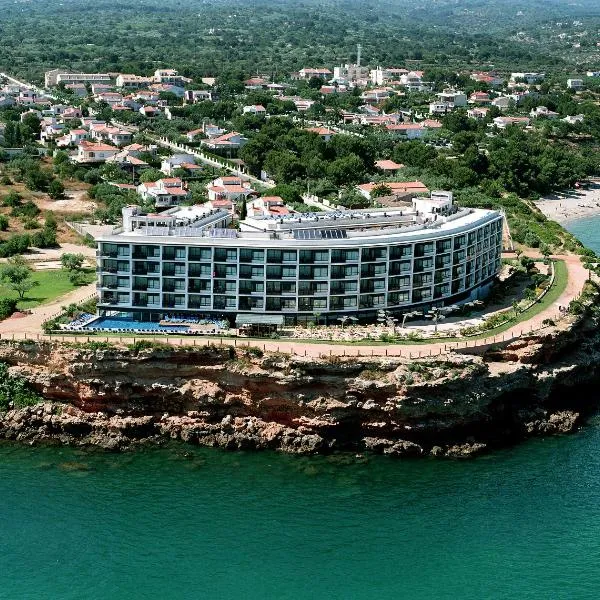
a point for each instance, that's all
(350, 302)
(289, 272)
(274, 256)
(443, 246)
(423, 249)
(320, 272)
(154, 299)
(180, 253)
(230, 271)
(421, 264)
(321, 255)
(123, 282)
(200, 254)
(288, 303)
(459, 242)
(289, 256)
(179, 269)
(122, 298)
(122, 266)
(351, 271)
(258, 271)
(320, 303)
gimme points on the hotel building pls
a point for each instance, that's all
(353, 262)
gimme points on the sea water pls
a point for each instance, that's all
(187, 522)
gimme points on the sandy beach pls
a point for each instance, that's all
(572, 205)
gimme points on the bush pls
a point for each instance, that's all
(29, 209)
(3, 223)
(254, 351)
(7, 307)
(15, 391)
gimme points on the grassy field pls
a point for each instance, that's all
(52, 285)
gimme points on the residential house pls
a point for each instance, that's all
(6, 101)
(307, 73)
(94, 152)
(228, 141)
(146, 97)
(65, 77)
(268, 206)
(490, 79)
(413, 81)
(71, 113)
(194, 135)
(388, 166)
(193, 96)
(376, 95)
(381, 76)
(111, 98)
(575, 84)
(77, 89)
(256, 109)
(172, 163)
(543, 111)
(100, 88)
(114, 135)
(165, 192)
(170, 76)
(412, 131)
(504, 122)
(478, 113)
(229, 188)
(212, 131)
(255, 83)
(503, 102)
(133, 82)
(150, 111)
(453, 98)
(325, 133)
(573, 119)
(399, 188)
(480, 98)
(168, 88)
(439, 108)
(73, 138)
(527, 77)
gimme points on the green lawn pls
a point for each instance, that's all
(52, 284)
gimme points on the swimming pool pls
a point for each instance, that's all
(128, 324)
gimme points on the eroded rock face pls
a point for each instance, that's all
(456, 405)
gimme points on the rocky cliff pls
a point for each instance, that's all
(454, 405)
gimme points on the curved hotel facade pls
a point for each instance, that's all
(187, 261)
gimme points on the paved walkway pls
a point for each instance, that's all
(30, 327)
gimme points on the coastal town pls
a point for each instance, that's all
(300, 299)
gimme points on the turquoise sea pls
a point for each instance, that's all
(184, 522)
(588, 231)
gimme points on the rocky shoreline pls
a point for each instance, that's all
(457, 405)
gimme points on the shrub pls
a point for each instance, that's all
(7, 307)
(254, 351)
(3, 223)
(15, 391)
